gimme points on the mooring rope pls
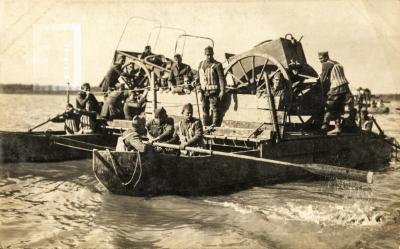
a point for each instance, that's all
(138, 162)
(73, 147)
(83, 143)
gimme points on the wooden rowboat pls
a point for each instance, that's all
(50, 146)
(157, 173)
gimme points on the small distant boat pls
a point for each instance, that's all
(378, 110)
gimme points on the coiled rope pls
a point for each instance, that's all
(138, 163)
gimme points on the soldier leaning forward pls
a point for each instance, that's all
(161, 128)
(339, 93)
(70, 118)
(131, 139)
(212, 83)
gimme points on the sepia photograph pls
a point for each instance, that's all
(268, 124)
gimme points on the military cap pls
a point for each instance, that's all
(209, 49)
(323, 54)
(85, 85)
(160, 112)
(177, 56)
(187, 107)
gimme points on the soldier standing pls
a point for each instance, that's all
(338, 95)
(111, 78)
(212, 85)
(179, 71)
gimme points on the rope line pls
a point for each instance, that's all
(73, 147)
(85, 143)
(138, 163)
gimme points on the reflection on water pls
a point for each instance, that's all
(62, 205)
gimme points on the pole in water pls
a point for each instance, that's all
(67, 92)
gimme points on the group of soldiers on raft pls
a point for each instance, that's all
(130, 104)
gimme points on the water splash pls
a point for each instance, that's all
(357, 214)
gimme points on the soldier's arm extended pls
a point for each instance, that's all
(169, 131)
(198, 134)
(80, 101)
(174, 138)
(189, 73)
(221, 78)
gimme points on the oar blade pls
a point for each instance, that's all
(341, 172)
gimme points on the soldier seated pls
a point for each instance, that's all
(87, 123)
(189, 131)
(134, 104)
(161, 128)
(70, 118)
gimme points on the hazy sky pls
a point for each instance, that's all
(51, 42)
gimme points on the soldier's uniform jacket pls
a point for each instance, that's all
(164, 131)
(178, 73)
(190, 132)
(333, 79)
(111, 77)
(129, 140)
(211, 77)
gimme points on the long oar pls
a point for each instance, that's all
(43, 123)
(318, 169)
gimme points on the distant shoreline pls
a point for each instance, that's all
(62, 90)
(40, 89)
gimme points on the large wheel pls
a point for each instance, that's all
(251, 72)
(138, 75)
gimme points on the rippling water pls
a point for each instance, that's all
(62, 205)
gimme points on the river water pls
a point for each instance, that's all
(62, 205)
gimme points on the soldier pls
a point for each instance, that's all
(85, 96)
(131, 138)
(70, 118)
(366, 120)
(134, 103)
(161, 128)
(146, 52)
(212, 85)
(111, 78)
(189, 131)
(337, 96)
(179, 71)
(87, 123)
(113, 104)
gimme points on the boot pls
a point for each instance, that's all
(337, 129)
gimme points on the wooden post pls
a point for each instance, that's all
(154, 92)
(273, 108)
(67, 92)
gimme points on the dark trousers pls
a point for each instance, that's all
(335, 105)
(211, 103)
